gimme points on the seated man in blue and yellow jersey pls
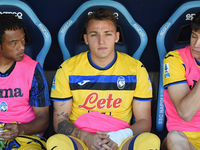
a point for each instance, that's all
(96, 93)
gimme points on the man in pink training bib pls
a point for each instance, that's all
(181, 96)
(24, 95)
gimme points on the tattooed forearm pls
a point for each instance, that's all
(63, 115)
(65, 127)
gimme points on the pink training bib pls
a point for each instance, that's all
(95, 121)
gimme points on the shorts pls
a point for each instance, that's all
(25, 141)
(193, 138)
(144, 141)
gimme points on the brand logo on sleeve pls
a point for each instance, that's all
(166, 70)
(54, 82)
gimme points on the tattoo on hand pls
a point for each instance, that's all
(77, 133)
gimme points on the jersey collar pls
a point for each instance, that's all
(198, 62)
(8, 71)
(100, 68)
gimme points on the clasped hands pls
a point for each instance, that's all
(100, 141)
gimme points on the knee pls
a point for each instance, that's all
(151, 141)
(146, 136)
(59, 140)
(175, 135)
(54, 138)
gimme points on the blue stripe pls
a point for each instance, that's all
(13, 144)
(102, 78)
(166, 86)
(131, 145)
(61, 100)
(184, 66)
(137, 99)
(75, 146)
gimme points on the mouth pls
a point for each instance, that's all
(20, 54)
(195, 51)
(102, 48)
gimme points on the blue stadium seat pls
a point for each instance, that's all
(173, 34)
(133, 39)
(38, 41)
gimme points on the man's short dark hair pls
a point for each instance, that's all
(9, 22)
(195, 24)
(101, 14)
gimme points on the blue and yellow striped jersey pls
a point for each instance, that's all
(107, 90)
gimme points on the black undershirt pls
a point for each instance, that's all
(8, 72)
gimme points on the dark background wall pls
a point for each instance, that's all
(150, 14)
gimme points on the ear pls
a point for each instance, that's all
(85, 38)
(117, 37)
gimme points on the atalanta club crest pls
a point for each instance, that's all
(121, 82)
(3, 106)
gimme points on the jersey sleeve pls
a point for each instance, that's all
(173, 69)
(143, 91)
(39, 93)
(60, 90)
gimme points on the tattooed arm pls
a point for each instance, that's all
(62, 111)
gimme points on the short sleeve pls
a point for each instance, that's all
(173, 69)
(143, 89)
(39, 93)
(60, 89)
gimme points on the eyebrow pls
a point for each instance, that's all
(15, 40)
(194, 33)
(104, 31)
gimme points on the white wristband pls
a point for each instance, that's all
(120, 135)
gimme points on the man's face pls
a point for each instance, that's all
(13, 45)
(101, 37)
(195, 44)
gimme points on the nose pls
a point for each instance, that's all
(101, 39)
(197, 43)
(21, 45)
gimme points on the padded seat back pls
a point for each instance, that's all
(133, 38)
